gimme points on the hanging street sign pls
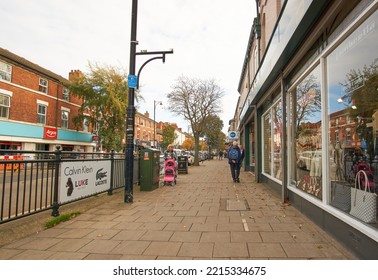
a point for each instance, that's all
(233, 135)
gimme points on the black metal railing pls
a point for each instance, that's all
(30, 180)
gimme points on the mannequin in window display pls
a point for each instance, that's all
(338, 157)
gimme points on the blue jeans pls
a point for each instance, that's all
(235, 171)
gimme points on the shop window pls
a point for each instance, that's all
(267, 142)
(9, 146)
(5, 71)
(352, 75)
(277, 141)
(272, 141)
(4, 105)
(305, 122)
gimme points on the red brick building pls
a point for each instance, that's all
(36, 109)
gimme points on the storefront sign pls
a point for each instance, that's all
(50, 133)
(354, 84)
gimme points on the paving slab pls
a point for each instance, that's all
(205, 216)
(196, 250)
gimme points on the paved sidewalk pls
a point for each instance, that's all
(205, 216)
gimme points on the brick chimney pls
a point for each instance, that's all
(147, 114)
(75, 75)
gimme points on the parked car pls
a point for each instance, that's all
(161, 161)
(190, 158)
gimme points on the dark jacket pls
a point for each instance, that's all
(239, 160)
(170, 154)
(242, 155)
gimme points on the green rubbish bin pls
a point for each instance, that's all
(149, 168)
(182, 162)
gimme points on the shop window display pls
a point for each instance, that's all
(272, 151)
(352, 74)
(277, 141)
(267, 150)
(305, 128)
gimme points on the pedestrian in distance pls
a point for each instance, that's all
(234, 159)
(220, 155)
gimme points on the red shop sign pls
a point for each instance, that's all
(50, 133)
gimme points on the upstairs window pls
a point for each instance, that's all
(41, 114)
(66, 94)
(43, 83)
(5, 71)
(4, 105)
(86, 124)
(65, 116)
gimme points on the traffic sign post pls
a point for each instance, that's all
(132, 81)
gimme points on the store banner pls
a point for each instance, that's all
(83, 178)
(50, 133)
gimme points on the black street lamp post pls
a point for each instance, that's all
(130, 111)
(155, 103)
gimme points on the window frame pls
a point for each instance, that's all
(43, 115)
(5, 107)
(65, 121)
(66, 94)
(270, 148)
(5, 74)
(43, 87)
(86, 124)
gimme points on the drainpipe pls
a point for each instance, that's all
(57, 105)
(258, 31)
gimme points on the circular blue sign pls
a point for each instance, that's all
(232, 134)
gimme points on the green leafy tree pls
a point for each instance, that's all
(104, 92)
(213, 132)
(195, 100)
(361, 86)
(168, 135)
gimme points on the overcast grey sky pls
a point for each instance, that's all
(209, 38)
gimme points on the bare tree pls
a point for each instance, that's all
(308, 102)
(195, 100)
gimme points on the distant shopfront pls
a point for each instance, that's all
(27, 137)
